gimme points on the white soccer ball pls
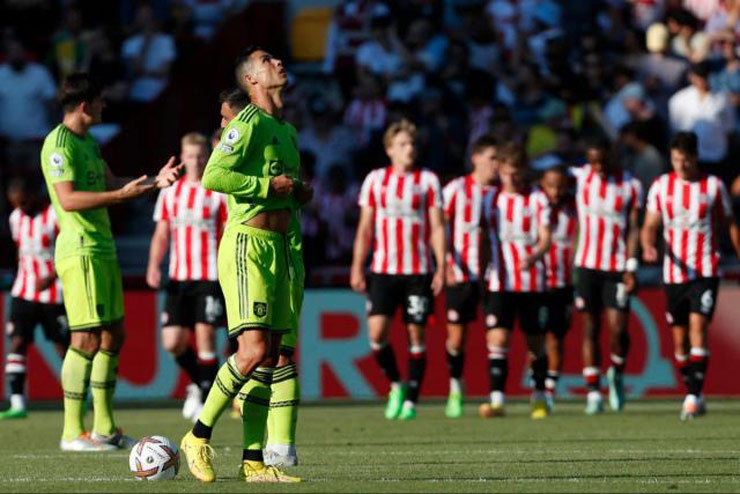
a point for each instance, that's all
(154, 458)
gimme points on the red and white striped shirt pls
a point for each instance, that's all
(463, 199)
(604, 207)
(514, 221)
(559, 259)
(196, 217)
(690, 212)
(34, 236)
(401, 203)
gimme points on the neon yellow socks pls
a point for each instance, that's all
(76, 371)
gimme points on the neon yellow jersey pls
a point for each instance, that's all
(254, 147)
(67, 157)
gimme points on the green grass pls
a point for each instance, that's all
(353, 449)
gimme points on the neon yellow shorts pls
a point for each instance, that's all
(93, 291)
(253, 270)
(290, 339)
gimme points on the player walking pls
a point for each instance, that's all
(402, 211)
(691, 207)
(190, 219)
(254, 165)
(559, 274)
(518, 221)
(463, 199)
(608, 200)
(81, 187)
(36, 293)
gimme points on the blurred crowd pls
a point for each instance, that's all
(548, 74)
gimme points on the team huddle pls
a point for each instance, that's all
(528, 251)
(531, 250)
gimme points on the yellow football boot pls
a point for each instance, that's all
(256, 471)
(199, 455)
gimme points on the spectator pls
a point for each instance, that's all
(382, 54)
(337, 212)
(330, 144)
(366, 113)
(148, 55)
(206, 15)
(27, 91)
(103, 61)
(348, 30)
(68, 46)
(662, 75)
(641, 158)
(728, 79)
(709, 114)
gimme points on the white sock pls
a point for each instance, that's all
(497, 398)
(408, 405)
(455, 385)
(395, 386)
(17, 402)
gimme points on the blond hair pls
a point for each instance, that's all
(193, 138)
(396, 128)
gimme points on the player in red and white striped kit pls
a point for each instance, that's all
(463, 199)
(190, 219)
(518, 222)
(402, 212)
(692, 208)
(608, 201)
(37, 292)
(559, 273)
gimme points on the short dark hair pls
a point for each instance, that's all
(514, 154)
(701, 69)
(234, 97)
(686, 142)
(241, 62)
(77, 88)
(484, 142)
(598, 142)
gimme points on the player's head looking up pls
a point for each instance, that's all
(555, 184)
(400, 144)
(485, 159)
(685, 155)
(81, 98)
(194, 155)
(597, 154)
(514, 169)
(258, 72)
(232, 102)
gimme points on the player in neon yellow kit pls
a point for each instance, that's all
(255, 164)
(81, 187)
(282, 418)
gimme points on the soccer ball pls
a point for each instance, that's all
(154, 458)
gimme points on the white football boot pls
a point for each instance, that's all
(84, 443)
(193, 402)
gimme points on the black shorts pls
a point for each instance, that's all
(26, 315)
(559, 304)
(503, 308)
(462, 302)
(191, 302)
(413, 292)
(697, 296)
(598, 290)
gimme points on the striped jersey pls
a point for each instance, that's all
(401, 203)
(463, 203)
(196, 217)
(34, 237)
(604, 206)
(559, 259)
(690, 211)
(514, 221)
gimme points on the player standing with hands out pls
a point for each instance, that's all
(691, 207)
(81, 187)
(402, 212)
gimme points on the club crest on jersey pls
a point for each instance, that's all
(56, 160)
(260, 309)
(232, 136)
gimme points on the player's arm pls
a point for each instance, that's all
(166, 176)
(438, 242)
(725, 213)
(363, 240)
(222, 174)
(633, 242)
(81, 200)
(544, 241)
(649, 236)
(157, 250)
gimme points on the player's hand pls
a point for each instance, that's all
(282, 186)
(528, 263)
(45, 283)
(650, 254)
(168, 174)
(357, 280)
(135, 188)
(154, 277)
(630, 283)
(304, 193)
(438, 282)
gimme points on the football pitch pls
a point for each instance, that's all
(351, 448)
